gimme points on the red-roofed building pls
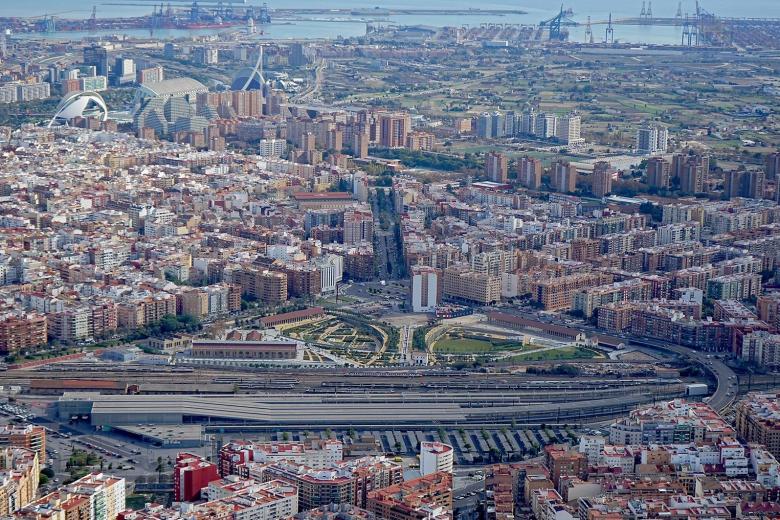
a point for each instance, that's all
(191, 474)
(288, 318)
(349, 482)
(324, 200)
(426, 497)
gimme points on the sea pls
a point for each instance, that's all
(535, 11)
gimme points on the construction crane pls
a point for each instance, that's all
(93, 19)
(47, 23)
(589, 32)
(563, 18)
(264, 17)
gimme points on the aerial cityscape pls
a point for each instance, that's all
(353, 261)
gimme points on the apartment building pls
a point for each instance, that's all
(26, 436)
(22, 331)
(558, 293)
(758, 420)
(427, 497)
(19, 477)
(347, 482)
(191, 473)
(315, 453)
(461, 283)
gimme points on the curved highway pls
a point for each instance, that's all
(727, 385)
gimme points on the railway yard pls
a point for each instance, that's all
(79, 376)
(129, 412)
(487, 415)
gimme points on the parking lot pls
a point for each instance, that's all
(472, 446)
(121, 456)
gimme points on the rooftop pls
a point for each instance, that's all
(172, 87)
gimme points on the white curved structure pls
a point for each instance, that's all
(77, 104)
(250, 78)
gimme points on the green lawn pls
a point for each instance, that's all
(557, 354)
(448, 345)
(455, 345)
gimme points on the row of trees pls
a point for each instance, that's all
(434, 161)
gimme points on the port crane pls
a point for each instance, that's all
(48, 23)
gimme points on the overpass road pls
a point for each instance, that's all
(727, 384)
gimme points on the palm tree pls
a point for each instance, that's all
(159, 469)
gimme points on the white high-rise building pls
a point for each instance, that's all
(331, 269)
(424, 288)
(434, 457)
(569, 129)
(271, 147)
(106, 494)
(652, 139)
(546, 125)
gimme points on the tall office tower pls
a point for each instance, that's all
(124, 71)
(97, 56)
(658, 172)
(298, 57)
(529, 172)
(602, 178)
(394, 129)
(425, 288)
(496, 167)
